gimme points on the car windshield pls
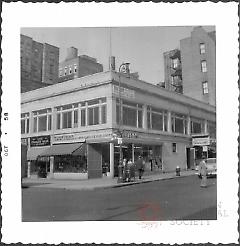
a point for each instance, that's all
(209, 161)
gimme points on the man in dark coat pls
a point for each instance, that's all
(140, 166)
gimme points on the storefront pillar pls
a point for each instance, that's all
(51, 166)
(111, 149)
(28, 169)
(144, 115)
(188, 125)
(133, 153)
(111, 108)
(205, 127)
(169, 121)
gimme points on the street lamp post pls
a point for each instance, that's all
(124, 68)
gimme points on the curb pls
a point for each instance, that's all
(117, 185)
(130, 183)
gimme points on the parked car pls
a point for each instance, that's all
(211, 164)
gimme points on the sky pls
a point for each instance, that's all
(142, 47)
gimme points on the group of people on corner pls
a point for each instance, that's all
(129, 168)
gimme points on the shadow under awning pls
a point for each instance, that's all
(65, 149)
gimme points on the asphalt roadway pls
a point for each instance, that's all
(173, 199)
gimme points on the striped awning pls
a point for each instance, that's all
(65, 149)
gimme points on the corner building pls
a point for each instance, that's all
(72, 128)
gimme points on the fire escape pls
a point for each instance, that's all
(176, 72)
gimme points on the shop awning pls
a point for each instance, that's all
(33, 153)
(65, 149)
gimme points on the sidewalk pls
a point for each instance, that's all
(105, 182)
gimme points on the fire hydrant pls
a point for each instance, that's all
(178, 169)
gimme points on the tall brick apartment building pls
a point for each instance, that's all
(191, 70)
(75, 66)
(39, 64)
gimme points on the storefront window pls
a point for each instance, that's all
(179, 123)
(67, 120)
(131, 114)
(42, 123)
(156, 119)
(24, 123)
(196, 126)
(67, 116)
(42, 120)
(83, 117)
(58, 121)
(93, 116)
(75, 120)
(129, 117)
(70, 164)
(104, 114)
(140, 118)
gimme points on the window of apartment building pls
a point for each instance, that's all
(204, 66)
(24, 123)
(156, 119)
(75, 68)
(196, 126)
(179, 124)
(42, 120)
(60, 73)
(202, 48)
(175, 62)
(51, 69)
(131, 114)
(70, 70)
(205, 87)
(65, 71)
(174, 147)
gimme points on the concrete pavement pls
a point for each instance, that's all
(105, 182)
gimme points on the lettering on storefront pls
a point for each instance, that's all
(76, 138)
(124, 92)
(40, 141)
(200, 141)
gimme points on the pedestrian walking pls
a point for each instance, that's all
(140, 166)
(203, 173)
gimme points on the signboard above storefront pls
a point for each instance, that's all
(79, 137)
(40, 141)
(200, 141)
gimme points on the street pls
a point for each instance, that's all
(173, 199)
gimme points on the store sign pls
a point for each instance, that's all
(200, 141)
(130, 134)
(40, 141)
(78, 137)
(124, 92)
